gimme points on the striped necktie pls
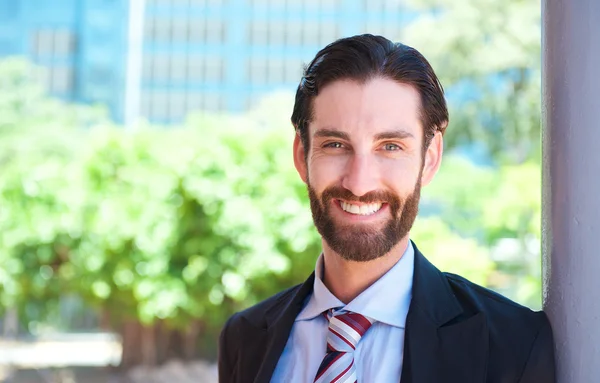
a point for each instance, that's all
(345, 331)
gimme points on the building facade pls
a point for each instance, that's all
(161, 59)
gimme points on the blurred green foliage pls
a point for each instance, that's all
(487, 54)
(202, 220)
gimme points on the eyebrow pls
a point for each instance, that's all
(332, 133)
(394, 134)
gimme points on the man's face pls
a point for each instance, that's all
(365, 165)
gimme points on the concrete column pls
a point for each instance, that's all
(571, 184)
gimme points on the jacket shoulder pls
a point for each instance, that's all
(497, 308)
(231, 345)
(520, 339)
(256, 314)
(512, 326)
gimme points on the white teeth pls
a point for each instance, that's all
(360, 210)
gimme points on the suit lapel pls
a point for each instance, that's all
(280, 319)
(443, 343)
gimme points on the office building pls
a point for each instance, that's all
(160, 59)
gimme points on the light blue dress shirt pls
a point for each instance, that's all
(378, 356)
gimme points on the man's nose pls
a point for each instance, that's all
(361, 175)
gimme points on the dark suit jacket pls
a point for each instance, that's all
(456, 332)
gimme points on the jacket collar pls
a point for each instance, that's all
(279, 320)
(443, 342)
(432, 293)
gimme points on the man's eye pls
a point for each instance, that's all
(335, 145)
(392, 147)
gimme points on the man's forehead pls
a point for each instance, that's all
(380, 88)
(374, 107)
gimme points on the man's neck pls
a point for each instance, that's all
(347, 279)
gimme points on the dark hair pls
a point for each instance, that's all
(364, 57)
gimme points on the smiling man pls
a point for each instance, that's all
(369, 118)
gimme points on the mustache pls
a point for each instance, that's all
(339, 192)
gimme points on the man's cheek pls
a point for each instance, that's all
(325, 175)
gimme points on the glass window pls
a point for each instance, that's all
(293, 34)
(149, 28)
(195, 68)
(258, 33)
(215, 31)
(159, 106)
(258, 71)
(375, 6)
(194, 101)
(62, 80)
(374, 27)
(312, 5)
(147, 62)
(310, 33)
(43, 74)
(145, 103)
(100, 75)
(276, 33)
(197, 3)
(213, 69)
(99, 92)
(196, 30)
(293, 6)
(392, 6)
(180, 3)
(178, 68)
(255, 3)
(275, 71)
(250, 101)
(64, 43)
(177, 106)
(180, 30)
(160, 67)
(213, 102)
(162, 30)
(392, 31)
(329, 33)
(293, 71)
(330, 5)
(43, 41)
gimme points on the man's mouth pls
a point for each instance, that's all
(365, 209)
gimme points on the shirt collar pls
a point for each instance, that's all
(387, 300)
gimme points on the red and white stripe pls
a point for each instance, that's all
(345, 331)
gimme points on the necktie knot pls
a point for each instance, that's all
(346, 329)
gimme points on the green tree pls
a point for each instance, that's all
(487, 55)
(495, 213)
(38, 137)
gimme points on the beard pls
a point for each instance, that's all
(361, 242)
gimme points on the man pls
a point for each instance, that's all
(369, 118)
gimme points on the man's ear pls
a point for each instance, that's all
(433, 158)
(300, 158)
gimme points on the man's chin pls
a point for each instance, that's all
(359, 245)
